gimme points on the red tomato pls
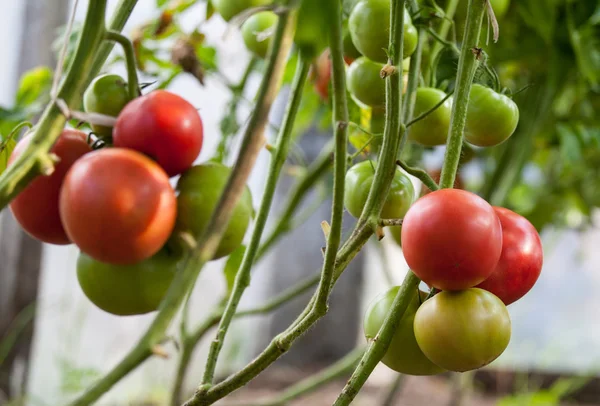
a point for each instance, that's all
(321, 74)
(36, 207)
(117, 205)
(451, 239)
(163, 126)
(521, 259)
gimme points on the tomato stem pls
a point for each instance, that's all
(428, 112)
(132, 78)
(467, 65)
(419, 173)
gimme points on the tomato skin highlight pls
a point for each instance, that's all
(521, 260)
(464, 330)
(451, 239)
(163, 126)
(200, 189)
(107, 94)
(36, 208)
(433, 129)
(491, 117)
(254, 26)
(403, 355)
(117, 206)
(126, 290)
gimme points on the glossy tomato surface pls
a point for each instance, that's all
(464, 330)
(200, 189)
(163, 126)
(359, 179)
(491, 117)
(117, 205)
(36, 207)
(107, 94)
(433, 129)
(521, 260)
(365, 83)
(126, 289)
(230, 8)
(403, 354)
(451, 239)
(257, 31)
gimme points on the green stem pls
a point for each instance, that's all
(428, 112)
(394, 388)
(413, 76)
(242, 279)
(35, 159)
(467, 64)
(132, 78)
(444, 28)
(239, 88)
(445, 43)
(379, 345)
(419, 173)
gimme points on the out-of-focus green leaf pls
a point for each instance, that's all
(585, 40)
(34, 84)
(541, 17)
(232, 265)
(570, 147)
(207, 56)
(210, 9)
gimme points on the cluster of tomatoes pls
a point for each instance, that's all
(117, 204)
(481, 258)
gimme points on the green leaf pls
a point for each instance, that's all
(34, 84)
(585, 40)
(232, 265)
(570, 147)
(210, 9)
(207, 56)
(161, 3)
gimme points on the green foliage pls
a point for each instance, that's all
(560, 389)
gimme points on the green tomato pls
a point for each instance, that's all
(463, 330)
(350, 51)
(491, 117)
(359, 179)
(257, 32)
(200, 189)
(403, 355)
(230, 8)
(107, 94)
(312, 29)
(369, 26)
(364, 82)
(127, 289)
(433, 129)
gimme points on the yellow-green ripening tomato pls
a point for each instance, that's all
(230, 8)
(257, 31)
(403, 355)
(491, 117)
(365, 83)
(369, 26)
(359, 179)
(127, 289)
(433, 129)
(462, 330)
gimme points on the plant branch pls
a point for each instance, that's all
(467, 64)
(393, 390)
(132, 79)
(413, 76)
(419, 173)
(444, 27)
(242, 279)
(390, 222)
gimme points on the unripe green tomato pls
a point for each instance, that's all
(127, 289)
(350, 51)
(369, 26)
(230, 8)
(433, 129)
(365, 83)
(107, 94)
(255, 32)
(491, 117)
(312, 29)
(462, 330)
(403, 355)
(359, 179)
(200, 189)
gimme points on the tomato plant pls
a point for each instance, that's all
(369, 26)
(435, 175)
(464, 330)
(521, 260)
(491, 117)
(321, 75)
(359, 179)
(311, 29)
(231, 8)
(257, 31)
(127, 289)
(451, 239)
(433, 129)
(365, 83)
(107, 94)
(36, 207)
(199, 191)
(117, 206)
(403, 354)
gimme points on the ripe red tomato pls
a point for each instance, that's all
(521, 260)
(464, 330)
(127, 289)
(451, 239)
(118, 206)
(403, 355)
(163, 126)
(36, 207)
(436, 174)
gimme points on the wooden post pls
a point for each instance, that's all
(20, 255)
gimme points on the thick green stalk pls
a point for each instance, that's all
(132, 79)
(467, 64)
(242, 279)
